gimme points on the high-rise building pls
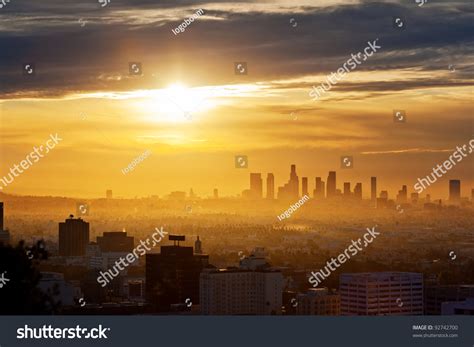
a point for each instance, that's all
(108, 194)
(318, 302)
(252, 289)
(347, 189)
(331, 184)
(290, 190)
(115, 241)
(216, 193)
(358, 191)
(373, 189)
(73, 237)
(304, 186)
(454, 191)
(472, 194)
(1, 216)
(270, 186)
(256, 186)
(318, 191)
(381, 293)
(4, 234)
(172, 276)
(402, 195)
(197, 246)
(414, 198)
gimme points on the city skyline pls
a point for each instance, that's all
(193, 114)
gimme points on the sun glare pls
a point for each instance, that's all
(179, 103)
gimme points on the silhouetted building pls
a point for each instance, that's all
(216, 193)
(319, 188)
(304, 186)
(402, 195)
(414, 198)
(381, 293)
(451, 308)
(115, 241)
(435, 295)
(270, 186)
(256, 186)
(347, 189)
(108, 194)
(4, 234)
(428, 198)
(198, 246)
(1, 216)
(358, 191)
(373, 189)
(454, 191)
(172, 276)
(73, 237)
(331, 185)
(290, 190)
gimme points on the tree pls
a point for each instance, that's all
(21, 294)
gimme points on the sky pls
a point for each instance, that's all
(194, 113)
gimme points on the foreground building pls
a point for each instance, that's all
(254, 288)
(319, 302)
(172, 276)
(381, 293)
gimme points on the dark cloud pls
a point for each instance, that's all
(70, 57)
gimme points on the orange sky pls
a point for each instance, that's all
(107, 118)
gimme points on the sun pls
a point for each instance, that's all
(179, 103)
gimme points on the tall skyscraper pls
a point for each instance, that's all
(73, 237)
(256, 185)
(108, 194)
(290, 190)
(304, 186)
(4, 234)
(216, 193)
(294, 183)
(318, 191)
(115, 241)
(454, 191)
(402, 195)
(198, 246)
(358, 191)
(347, 189)
(270, 186)
(331, 184)
(381, 293)
(172, 276)
(373, 189)
(1, 216)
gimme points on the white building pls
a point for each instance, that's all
(381, 293)
(253, 289)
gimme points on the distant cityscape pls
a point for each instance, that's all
(181, 279)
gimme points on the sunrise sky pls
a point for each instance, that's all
(82, 90)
